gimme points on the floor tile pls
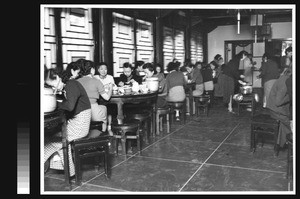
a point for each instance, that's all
(227, 179)
(192, 132)
(181, 150)
(240, 156)
(148, 174)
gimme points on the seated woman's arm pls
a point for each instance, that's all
(71, 97)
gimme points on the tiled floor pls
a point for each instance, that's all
(206, 155)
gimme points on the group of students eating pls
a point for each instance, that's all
(88, 87)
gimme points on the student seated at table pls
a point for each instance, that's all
(162, 89)
(139, 68)
(107, 80)
(175, 82)
(128, 76)
(94, 89)
(207, 74)
(159, 71)
(195, 75)
(78, 116)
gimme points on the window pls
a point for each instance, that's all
(125, 48)
(173, 45)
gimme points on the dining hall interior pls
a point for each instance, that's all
(192, 106)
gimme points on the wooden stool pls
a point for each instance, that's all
(145, 118)
(163, 111)
(201, 101)
(178, 106)
(91, 147)
(248, 100)
(130, 129)
(264, 124)
(210, 94)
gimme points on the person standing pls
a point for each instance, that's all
(230, 77)
(217, 75)
(269, 74)
(287, 59)
(278, 104)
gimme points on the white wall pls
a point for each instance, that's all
(217, 37)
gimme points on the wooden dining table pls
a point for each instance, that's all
(149, 98)
(55, 122)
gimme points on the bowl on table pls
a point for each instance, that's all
(127, 90)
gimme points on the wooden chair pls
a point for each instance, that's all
(201, 102)
(97, 147)
(178, 106)
(210, 94)
(248, 100)
(145, 118)
(130, 129)
(263, 124)
(163, 111)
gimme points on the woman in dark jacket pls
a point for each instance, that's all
(231, 75)
(78, 111)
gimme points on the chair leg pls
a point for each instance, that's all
(157, 124)
(117, 145)
(123, 142)
(252, 139)
(168, 122)
(77, 163)
(183, 113)
(150, 129)
(139, 142)
(197, 108)
(160, 123)
(106, 162)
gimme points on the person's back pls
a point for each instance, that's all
(278, 100)
(270, 70)
(94, 88)
(175, 84)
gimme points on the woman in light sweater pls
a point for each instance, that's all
(94, 89)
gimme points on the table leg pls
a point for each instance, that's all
(120, 115)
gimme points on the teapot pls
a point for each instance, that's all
(152, 83)
(49, 100)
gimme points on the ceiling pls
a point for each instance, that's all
(211, 18)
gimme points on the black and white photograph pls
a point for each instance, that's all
(167, 99)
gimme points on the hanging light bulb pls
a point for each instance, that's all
(238, 20)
